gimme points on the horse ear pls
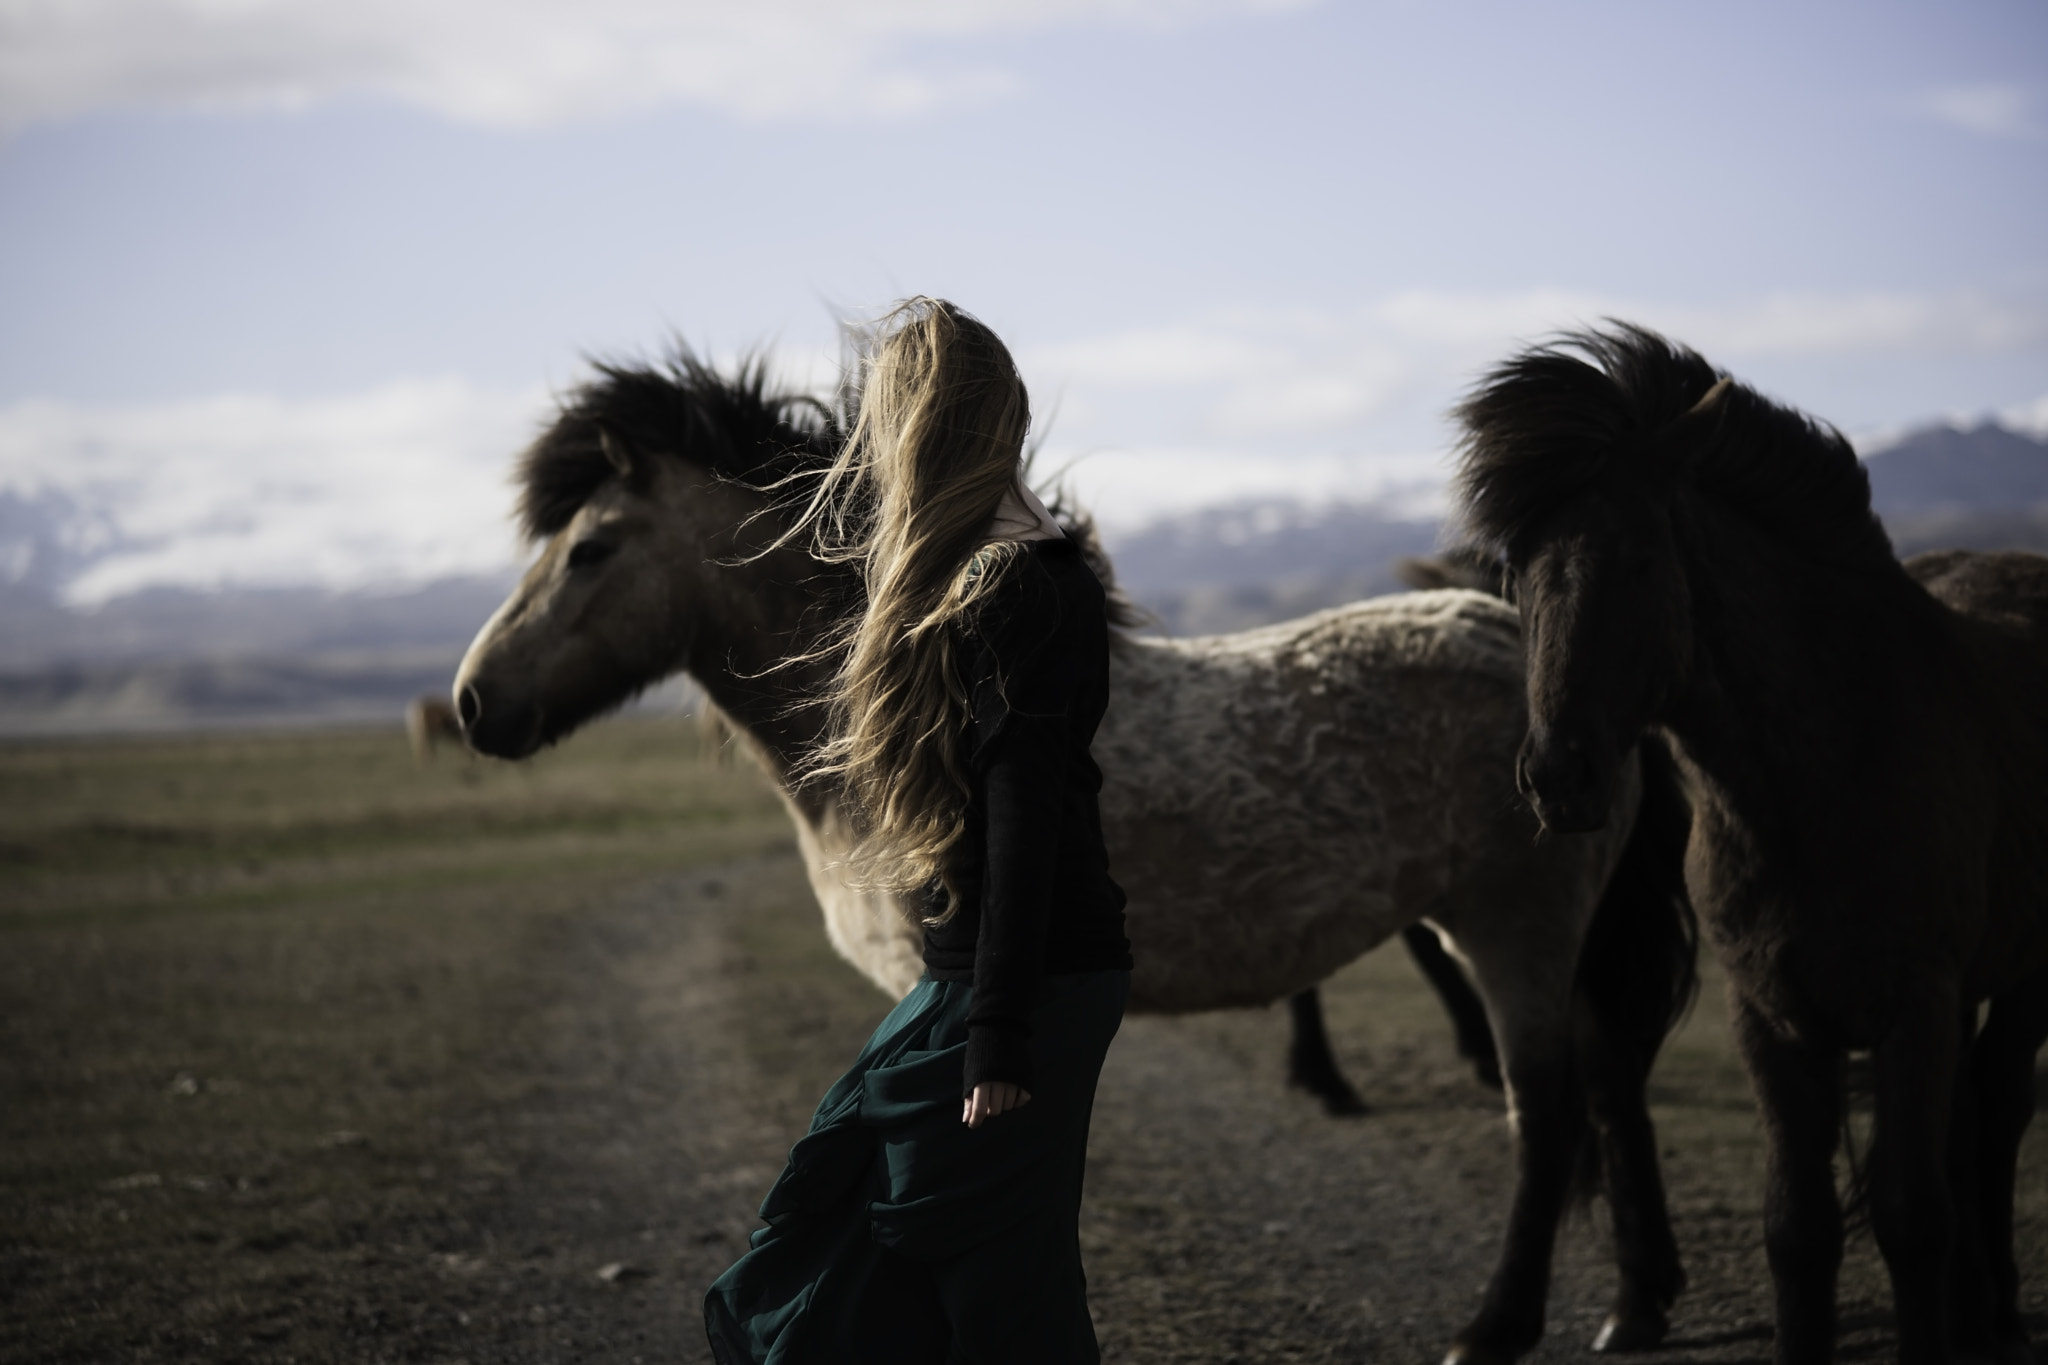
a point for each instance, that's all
(1712, 397)
(1701, 420)
(616, 453)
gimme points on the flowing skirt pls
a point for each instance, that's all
(898, 1234)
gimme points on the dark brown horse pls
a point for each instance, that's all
(1866, 747)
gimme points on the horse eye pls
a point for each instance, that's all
(585, 553)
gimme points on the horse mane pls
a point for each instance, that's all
(734, 424)
(737, 425)
(1593, 406)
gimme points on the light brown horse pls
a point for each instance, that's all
(430, 721)
(1276, 802)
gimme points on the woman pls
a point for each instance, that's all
(931, 1212)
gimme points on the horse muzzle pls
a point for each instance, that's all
(497, 724)
(1564, 781)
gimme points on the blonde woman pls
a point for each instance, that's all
(930, 1213)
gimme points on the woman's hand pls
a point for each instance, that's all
(991, 1098)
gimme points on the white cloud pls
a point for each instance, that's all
(406, 482)
(1148, 357)
(1808, 323)
(2032, 418)
(522, 63)
(401, 484)
(1249, 373)
(1989, 110)
(1333, 404)
(1243, 373)
(1127, 488)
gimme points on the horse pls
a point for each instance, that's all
(1865, 746)
(1311, 1064)
(429, 721)
(1276, 802)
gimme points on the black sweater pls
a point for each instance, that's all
(1036, 897)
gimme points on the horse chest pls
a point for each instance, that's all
(1828, 952)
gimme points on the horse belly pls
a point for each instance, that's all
(1266, 846)
(1211, 932)
(1812, 962)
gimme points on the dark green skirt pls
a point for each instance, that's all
(898, 1234)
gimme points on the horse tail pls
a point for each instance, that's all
(1639, 966)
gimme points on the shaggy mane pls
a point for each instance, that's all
(1600, 406)
(734, 424)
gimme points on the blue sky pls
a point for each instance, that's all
(285, 283)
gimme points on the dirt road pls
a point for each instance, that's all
(665, 1050)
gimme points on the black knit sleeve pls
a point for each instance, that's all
(1020, 761)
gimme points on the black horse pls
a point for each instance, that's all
(1866, 748)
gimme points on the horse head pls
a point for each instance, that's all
(1569, 473)
(658, 556)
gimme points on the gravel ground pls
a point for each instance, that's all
(666, 1050)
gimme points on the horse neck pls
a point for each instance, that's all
(1796, 649)
(749, 659)
(756, 614)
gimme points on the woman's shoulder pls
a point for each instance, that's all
(1045, 580)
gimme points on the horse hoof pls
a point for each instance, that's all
(1345, 1104)
(1634, 1332)
(1468, 1353)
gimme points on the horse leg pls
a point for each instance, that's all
(2002, 1074)
(1909, 1196)
(1528, 995)
(1311, 1066)
(1799, 1096)
(1971, 1279)
(1637, 972)
(1467, 1010)
(1616, 1079)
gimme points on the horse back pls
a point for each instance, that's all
(1279, 800)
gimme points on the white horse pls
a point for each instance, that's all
(1276, 803)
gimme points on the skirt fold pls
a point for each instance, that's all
(897, 1233)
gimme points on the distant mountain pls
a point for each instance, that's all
(1948, 469)
(1246, 563)
(196, 693)
(1983, 487)
(184, 624)
(171, 657)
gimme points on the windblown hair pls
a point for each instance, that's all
(1625, 403)
(936, 441)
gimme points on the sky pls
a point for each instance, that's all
(286, 284)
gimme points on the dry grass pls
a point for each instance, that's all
(259, 997)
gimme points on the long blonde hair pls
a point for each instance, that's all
(937, 441)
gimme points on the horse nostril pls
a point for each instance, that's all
(471, 704)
